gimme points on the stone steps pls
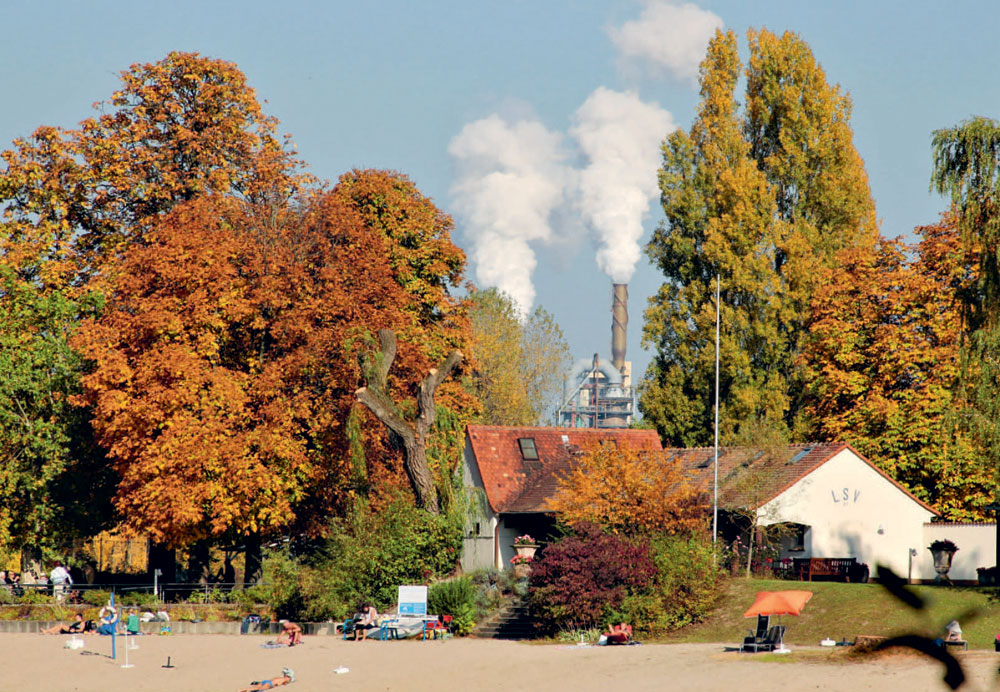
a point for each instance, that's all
(512, 622)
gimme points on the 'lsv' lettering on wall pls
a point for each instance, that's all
(845, 495)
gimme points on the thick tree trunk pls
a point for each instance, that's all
(253, 562)
(412, 434)
(199, 563)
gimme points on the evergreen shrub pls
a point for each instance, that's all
(457, 598)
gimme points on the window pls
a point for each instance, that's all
(801, 453)
(528, 450)
(797, 538)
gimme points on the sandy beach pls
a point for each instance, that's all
(223, 663)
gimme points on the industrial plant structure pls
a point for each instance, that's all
(599, 394)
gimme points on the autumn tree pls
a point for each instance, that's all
(764, 198)
(882, 364)
(629, 491)
(201, 444)
(73, 200)
(967, 169)
(519, 366)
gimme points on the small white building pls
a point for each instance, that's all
(832, 502)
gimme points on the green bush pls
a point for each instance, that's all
(491, 587)
(281, 588)
(370, 554)
(686, 584)
(139, 599)
(96, 597)
(456, 598)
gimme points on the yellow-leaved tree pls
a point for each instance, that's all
(629, 491)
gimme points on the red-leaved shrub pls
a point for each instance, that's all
(579, 579)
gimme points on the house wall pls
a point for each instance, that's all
(478, 542)
(976, 548)
(852, 511)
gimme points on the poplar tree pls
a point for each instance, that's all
(763, 197)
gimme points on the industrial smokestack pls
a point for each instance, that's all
(619, 323)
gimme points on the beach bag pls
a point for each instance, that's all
(73, 643)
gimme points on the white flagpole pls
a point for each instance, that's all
(715, 495)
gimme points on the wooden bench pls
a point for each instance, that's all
(826, 568)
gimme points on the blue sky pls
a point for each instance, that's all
(394, 84)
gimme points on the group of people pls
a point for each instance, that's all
(107, 624)
(59, 578)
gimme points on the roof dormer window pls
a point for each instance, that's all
(528, 450)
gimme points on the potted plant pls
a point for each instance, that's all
(525, 546)
(522, 565)
(943, 551)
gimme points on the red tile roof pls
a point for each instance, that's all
(514, 484)
(773, 473)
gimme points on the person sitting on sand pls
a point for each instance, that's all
(290, 633)
(287, 676)
(109, 620)
(75, 627)
(368, 621)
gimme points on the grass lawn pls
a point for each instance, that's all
(843, 611)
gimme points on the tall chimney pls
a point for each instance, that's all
(619, 323)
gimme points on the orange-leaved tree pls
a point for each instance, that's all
(882, 361)
(177, 129)
(629, 491)
(202, 442)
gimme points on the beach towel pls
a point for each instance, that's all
(273, 645)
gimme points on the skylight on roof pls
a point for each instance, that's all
(528, 450)
(801, 453)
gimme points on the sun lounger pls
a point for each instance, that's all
(770, 642)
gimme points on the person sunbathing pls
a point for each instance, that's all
(619, 634)
(287, 676)
(290, 634)
(78, 626)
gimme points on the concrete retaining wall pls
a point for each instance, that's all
(177, 627)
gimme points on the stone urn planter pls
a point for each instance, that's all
(526, 549)
(525, 546)
(943, 551)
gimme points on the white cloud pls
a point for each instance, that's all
(668, 37)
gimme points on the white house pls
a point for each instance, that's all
(836, 503)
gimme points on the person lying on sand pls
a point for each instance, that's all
(78, 626)
(618, 634)
(287, 676)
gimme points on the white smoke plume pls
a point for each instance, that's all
(620, 135)
(668, 37)
(509, 178)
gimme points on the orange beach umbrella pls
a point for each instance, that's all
(778, 603)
